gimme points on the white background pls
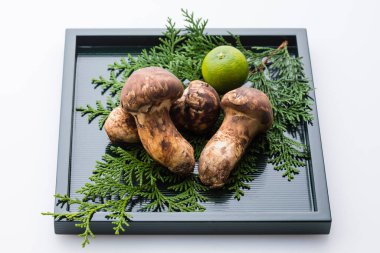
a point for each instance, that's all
(344, 45)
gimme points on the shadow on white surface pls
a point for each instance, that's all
(190, 243)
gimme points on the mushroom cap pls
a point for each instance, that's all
(198, 108)
(251, 102)
(120, 127)
(149, 87)
(202, 96)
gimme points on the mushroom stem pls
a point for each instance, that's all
(162, 140)
(225, 149)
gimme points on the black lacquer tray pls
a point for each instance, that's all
(272, 205)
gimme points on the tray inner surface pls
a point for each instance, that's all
(269, 192)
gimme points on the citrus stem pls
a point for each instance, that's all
(221, 55)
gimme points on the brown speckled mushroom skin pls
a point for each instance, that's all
(198, 109)
(248, 112)
(120, 127)
(148, 95)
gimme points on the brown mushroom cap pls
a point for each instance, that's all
(197, 91)
(251, 102)
(120, 127)
(198, 108)
(149, 87)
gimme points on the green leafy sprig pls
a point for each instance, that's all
(288, 89)
(99, 110)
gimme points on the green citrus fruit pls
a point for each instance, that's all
(225, 68)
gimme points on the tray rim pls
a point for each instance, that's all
(322, 212)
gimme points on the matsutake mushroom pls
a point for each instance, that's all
(247, 112)
(148, 95)
(198, 109)
(120, 127)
